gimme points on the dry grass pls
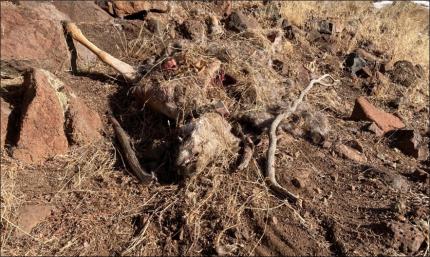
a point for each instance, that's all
(99, 207)
(404, 23)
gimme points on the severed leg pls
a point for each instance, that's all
(128, 71)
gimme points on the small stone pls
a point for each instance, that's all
(239, 22)
(405, 237)
(404, 73)
(327, 144)
(30, 216)
(301, 179)
(409, 142)
(193, 30)
(155, 25)
(350, 153)
(326, 27)
(364, 110)
(375, 129)
(420, 175)
(126, 8)
(335, 177)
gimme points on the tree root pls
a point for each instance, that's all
(129, 154)
(270, 169)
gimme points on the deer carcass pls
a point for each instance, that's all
(204, 138)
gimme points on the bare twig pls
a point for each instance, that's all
(129, 154)
(270, 169)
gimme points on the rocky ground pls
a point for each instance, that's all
(356, 152)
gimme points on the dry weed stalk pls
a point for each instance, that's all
(270, 169)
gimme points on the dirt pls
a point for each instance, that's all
(373, 203)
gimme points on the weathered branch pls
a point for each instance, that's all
(128, 152)
(270, 169)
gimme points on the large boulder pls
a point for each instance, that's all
(42, 124)
(82, 11)
(37, 27)
(33, 34)
(52, 117)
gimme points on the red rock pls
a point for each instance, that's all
(4, 116)
(30, 216)
(375, 129)
(405, 237)
(124, 8)
(364, 110)
(29, 35)
(42, 124)
(83, 124)
(350, 153)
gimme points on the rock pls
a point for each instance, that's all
(395, 181)
(43, 10)
(409, 142)
(215, 27)
(420, 175)
(326, 27)
(39, 34)
(83, 124)
(288, 29)
(82, 11)
(350, 153)
(405, 237)
(301, 179)
(193, 30)
(125, 8)
(30, 216)
(42, 123)
(356, 64)
(239, 22)
(155, 23)
(375, 129)
(4, 116)
(364, 110)
(404, 73)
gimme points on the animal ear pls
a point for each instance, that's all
(128, 71)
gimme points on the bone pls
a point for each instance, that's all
(128, 71)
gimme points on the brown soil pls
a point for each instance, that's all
(98, 208)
